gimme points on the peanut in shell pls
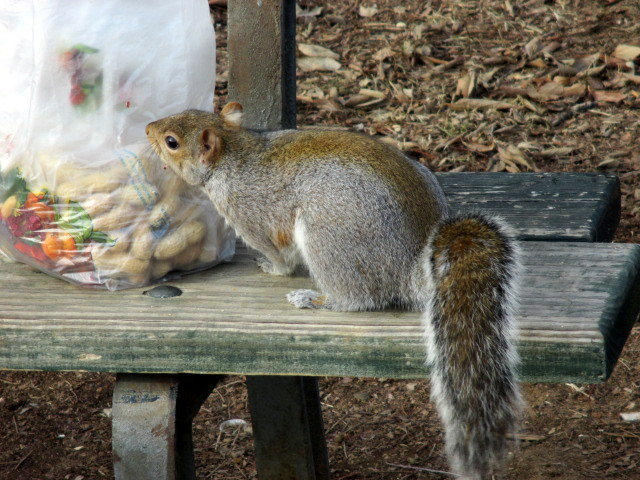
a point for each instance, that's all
(123, 242)
(164, 209)
(122, 262)
(160, 268)
(139, 278)
(117, 218)
(177, 240)
(143, 243)
(141, 194)
(92, 183)
(188, 256)
(98, 204)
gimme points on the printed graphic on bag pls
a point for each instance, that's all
(84, 74)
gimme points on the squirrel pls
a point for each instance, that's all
(374, 229)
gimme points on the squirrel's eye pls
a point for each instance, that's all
(171, 142)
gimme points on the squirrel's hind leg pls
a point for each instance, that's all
(347, 285)
(274, 268)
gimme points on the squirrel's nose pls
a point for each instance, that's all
(148, 129)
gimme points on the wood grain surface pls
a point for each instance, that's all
(541, 206)
(578, 302)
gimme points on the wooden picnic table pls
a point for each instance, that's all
(579, 301)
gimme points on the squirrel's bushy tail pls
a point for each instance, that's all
(472, 264)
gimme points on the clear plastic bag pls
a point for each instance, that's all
(81, 195)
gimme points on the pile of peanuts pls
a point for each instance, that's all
(156, 223)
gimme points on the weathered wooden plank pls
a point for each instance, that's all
(541, 206)
(578, 304)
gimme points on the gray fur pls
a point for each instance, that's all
(365, 253)
(374, 235)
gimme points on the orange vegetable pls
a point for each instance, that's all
(31, 199)
(59, 245)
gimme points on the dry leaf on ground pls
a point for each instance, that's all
(323, 104)
(479, 147)
(626, 52)
(630, 416)
(480, 104)
(316, 51)
(399, 144)
(556, 152)
(553, 91)
(532, 48)
(365, 98)
(367, 11)
(314, 64)
(609, 162)
(620, 79)
(585, 61)
(609, 96)
(313, 12)
(515, 159)
(383, 54)
(466, 85)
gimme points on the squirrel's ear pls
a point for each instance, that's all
(210, 146)
(232, 113)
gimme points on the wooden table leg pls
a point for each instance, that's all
(287, 428)
(152, 421)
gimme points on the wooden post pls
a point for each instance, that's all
(285, 411)
(152, 419)
(287, 428)
(262, 63)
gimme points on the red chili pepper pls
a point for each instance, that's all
(33, 251)
(38, 254)
(67, 60)
(23, 248)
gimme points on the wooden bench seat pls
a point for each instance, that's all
(578, 302)
(234, 318)
(541, 206)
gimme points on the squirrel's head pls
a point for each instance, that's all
(191, 142)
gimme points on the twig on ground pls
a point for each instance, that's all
(422, 469)
(22, 460)
(581, 107)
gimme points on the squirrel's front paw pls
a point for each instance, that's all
(307, 299)
(265, 265)
(269, 267)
